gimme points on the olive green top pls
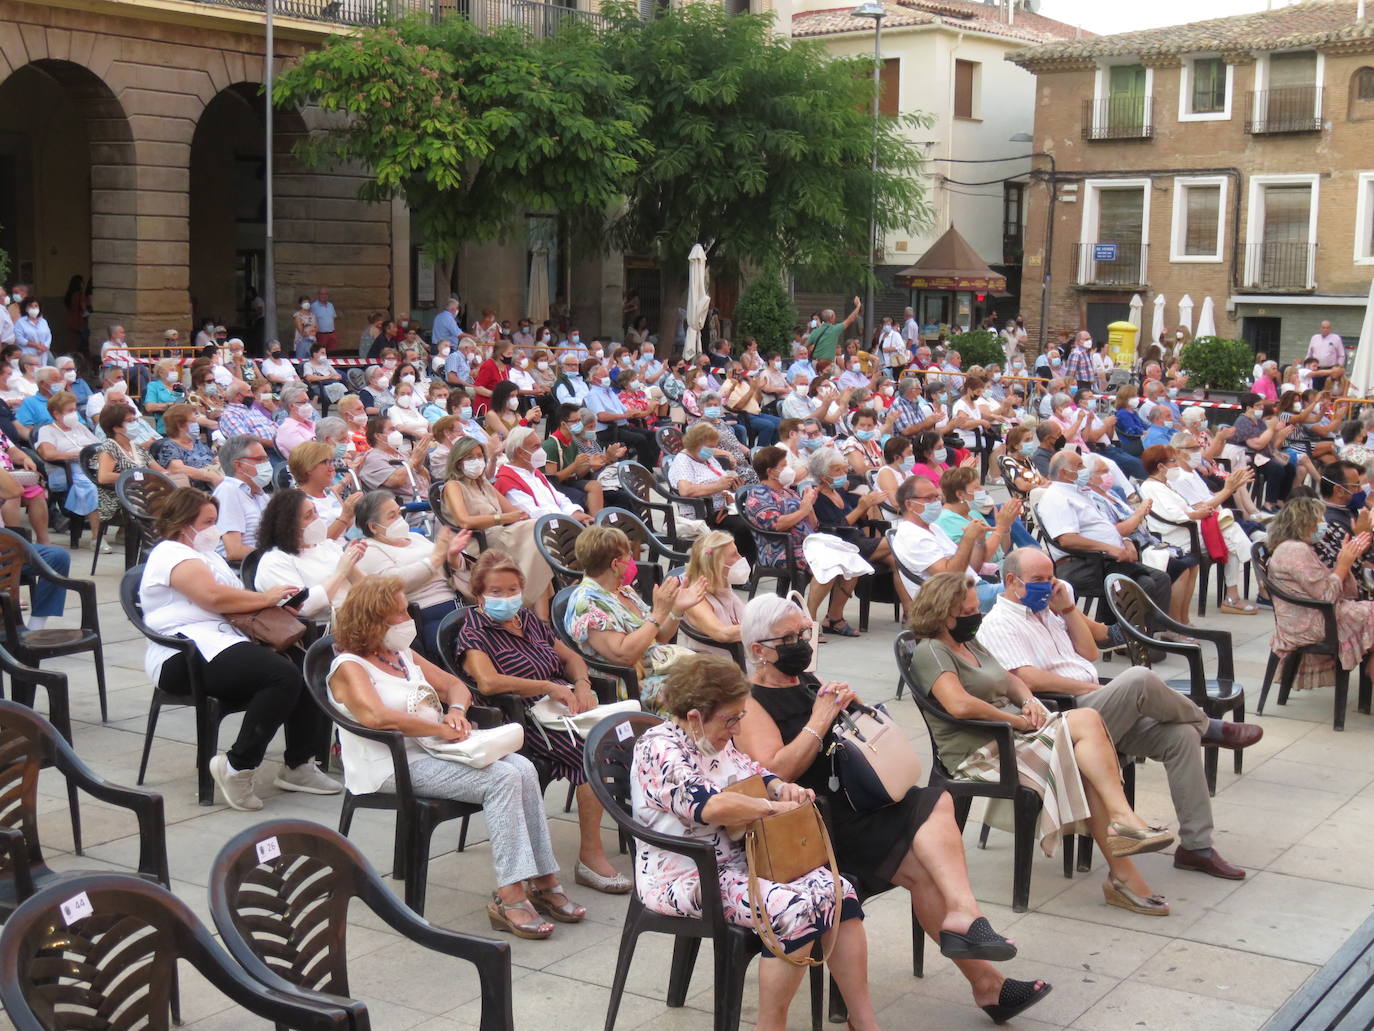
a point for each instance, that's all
(986, 681)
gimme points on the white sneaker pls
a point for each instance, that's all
(306, 777)
(236, 787)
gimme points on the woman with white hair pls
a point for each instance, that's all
(299, 424)
(405, 415)
(788, 727)
(1070, 421)
(838, 506)
(696, 472)
(522, 481)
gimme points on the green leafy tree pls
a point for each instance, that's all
(760, 149)
(765, 312)
(979, 347)
(1216, 363)
(473, 128)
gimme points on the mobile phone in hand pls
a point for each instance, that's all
(296, 600)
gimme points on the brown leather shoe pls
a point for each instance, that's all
(1235, 736)
(1185, 859)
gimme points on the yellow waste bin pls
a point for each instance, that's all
(1121, 343)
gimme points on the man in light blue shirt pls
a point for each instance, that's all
(457, 367)
(611, 417)
(446, 326)
(324, 320)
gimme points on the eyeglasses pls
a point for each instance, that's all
(784, 639)
(734, 721)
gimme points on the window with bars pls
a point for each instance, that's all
(1201, 219)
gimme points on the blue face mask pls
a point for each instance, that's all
(811, 443)
(940, 454)
(1084, 475)
(576, 429)
(501, 609)
(930, 512)
(1318, 533)
(339, 451)
(704, 453)
(1173, 391)
(1028, 447)
(712, 411)
(839, 482)
(865, 435)
(1357, 500)
(1038, 595)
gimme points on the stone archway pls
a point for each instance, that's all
(68, 179)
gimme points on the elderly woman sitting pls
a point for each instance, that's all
(184, 453)
(713, 414)
(1295, 568)
(1066, 758)
(838, 506)
(607, 615)
(776, 505)
(695, 472)
(379, 681)
(431, 573)
(299, 424)
(680, 768)
(297, 549)
(1169, 473)
(386, 466)
(507, 649)
(789, 723)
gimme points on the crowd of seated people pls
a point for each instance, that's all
(986, 500)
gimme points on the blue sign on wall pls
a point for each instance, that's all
(1104, 252)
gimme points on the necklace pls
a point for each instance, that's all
(396, 667)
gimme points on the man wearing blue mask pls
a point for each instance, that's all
(1038, 634)
(1073, 522)
(923, 549)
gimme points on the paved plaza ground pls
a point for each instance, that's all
(1299, 820)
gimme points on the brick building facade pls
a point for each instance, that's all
(1231, 159)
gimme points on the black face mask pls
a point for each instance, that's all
(966, 627)
(792, 658)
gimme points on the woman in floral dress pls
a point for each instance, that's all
(680, 768)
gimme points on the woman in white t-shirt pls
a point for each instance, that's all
(378, 680)
(297, 549)
(405, 414)
(189, 590)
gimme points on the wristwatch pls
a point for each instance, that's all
(460, 708)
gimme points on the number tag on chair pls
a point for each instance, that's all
(78, 907)
(624, 732)
(268, 848)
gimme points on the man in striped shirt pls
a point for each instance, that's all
(1037, 632)
(1080, 361)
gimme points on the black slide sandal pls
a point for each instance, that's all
(980, 941)
(1015, 998)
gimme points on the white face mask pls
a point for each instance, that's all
(787, 476)
(69, 375)
(395, 439)
(513, 402)
(33, 313)
(398, 528)
(542, 366)
(473, 468)
(399, 636)
(262, 473)
(303, 412)
(409, 377)
(305, 305)
(315, 532)
(205, 540)
(737, 575)
(406, 401)
(71, 420)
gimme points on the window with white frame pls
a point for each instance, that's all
(1114, 235)
(1288, 93)
(1281, 232)
(1364, 220)
(1204, 93)
(1199, 220)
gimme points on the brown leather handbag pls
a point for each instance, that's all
(782, 848)
(273, 627)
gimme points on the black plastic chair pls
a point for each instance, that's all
(608, 759)
(626, 675)
(735, 649)
(210, 711)
(90, 463)
(669, 440)
(555, 535)
(20, 560)
(1026, 804)
(281, 479)
(1329, 645)
(248, 568)
(286, 919)
(789, 575)
(417, 816)
(642, 540)
(116, 968)
(640, 484)
(139, 492)
(1136, 614)
(29, 743)
(1088, 587)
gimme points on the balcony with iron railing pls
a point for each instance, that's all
(541, 19)
(1109, 265)
(1284, 109)
(1272, 267)
(1118, 118)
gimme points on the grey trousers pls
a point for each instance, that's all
(508, 791)
(1147, 718)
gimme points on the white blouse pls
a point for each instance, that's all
(310, 569)
(367, 764)
(168, 611)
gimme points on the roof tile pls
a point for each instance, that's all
(1027, 27)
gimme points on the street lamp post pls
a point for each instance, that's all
(1045, 281)
(269, 263)
(873, 9)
